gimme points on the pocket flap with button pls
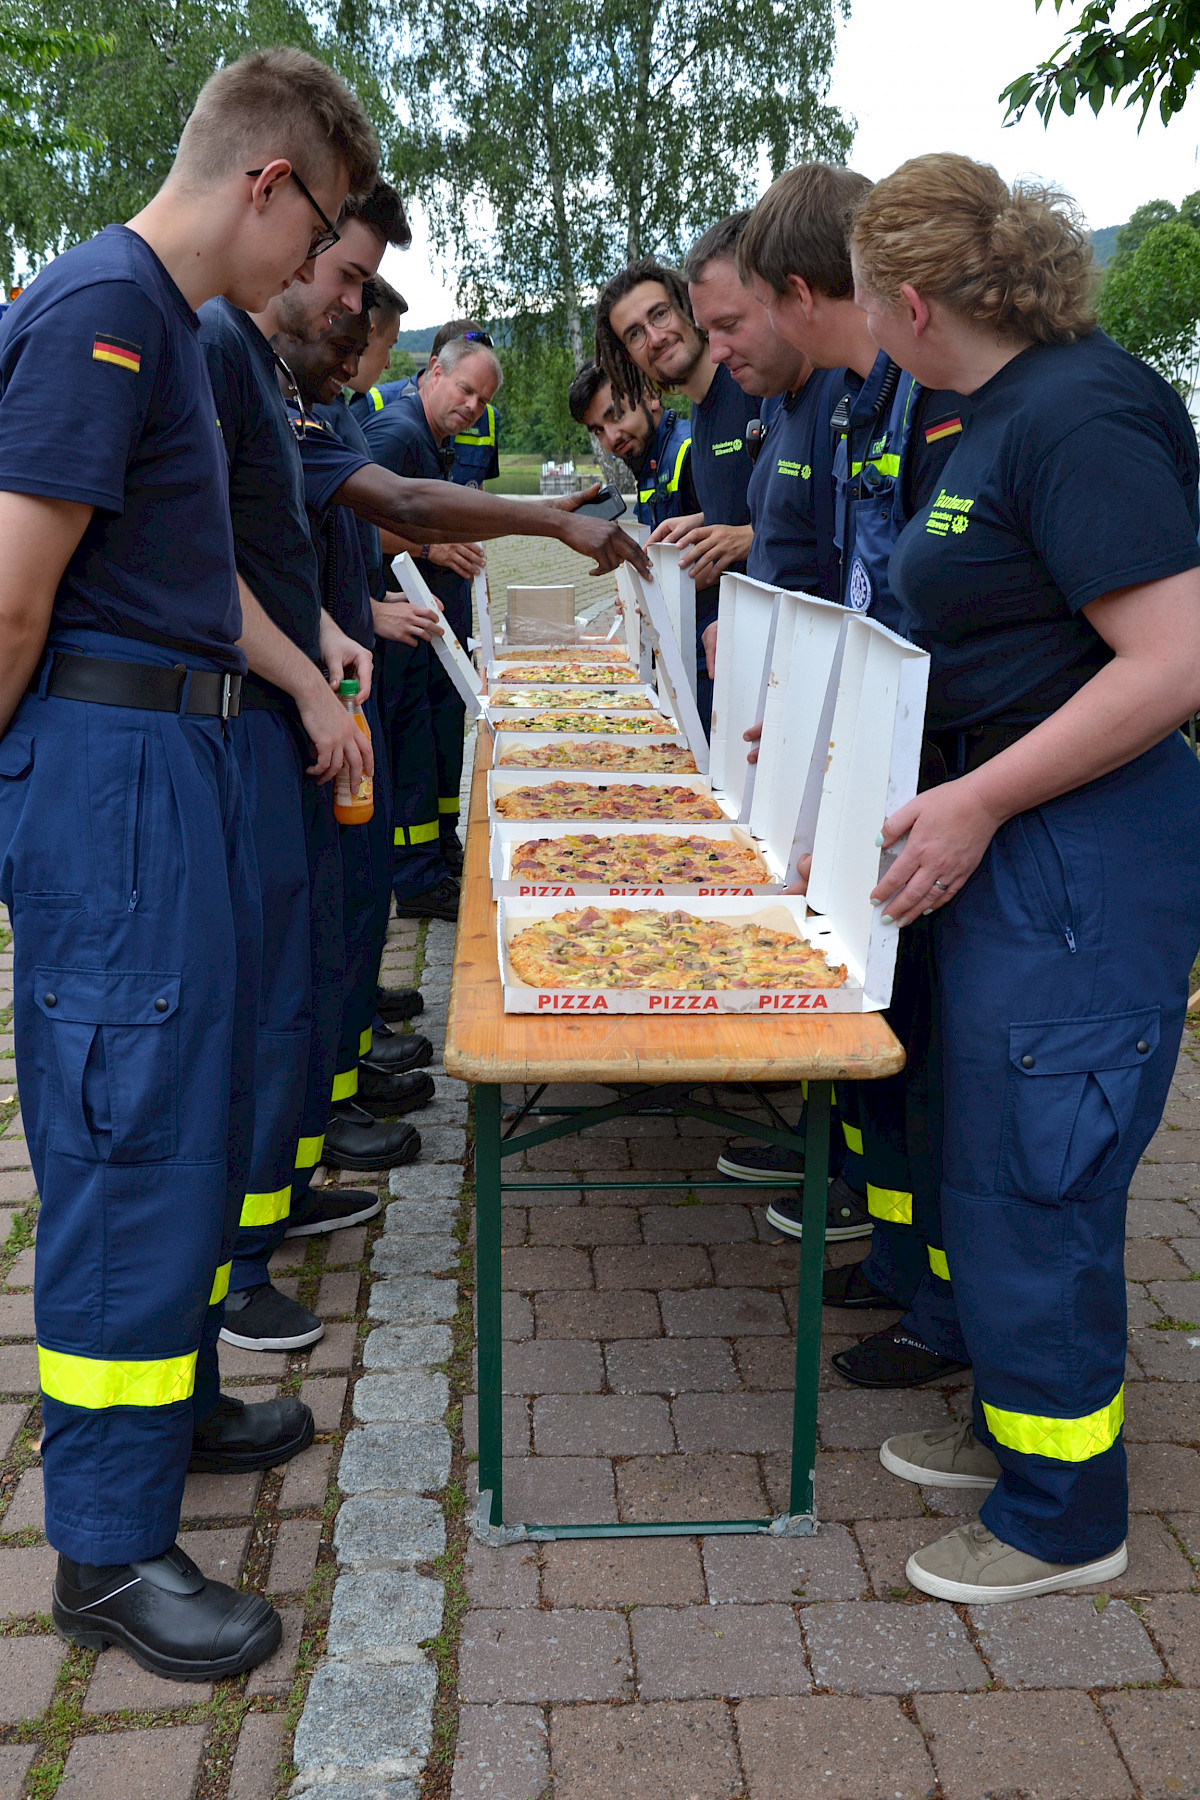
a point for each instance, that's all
(106, 996)
(16, 752)
(1082, 1046)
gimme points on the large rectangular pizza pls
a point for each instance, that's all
(598, 673)
(615, 800)
(569, 696)
(620, 948)
(643, 725)
(637, 859)
(605, 753)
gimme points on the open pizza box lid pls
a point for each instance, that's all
(540, 616)
(508, 834)
(679, 597)
(786, 913)
(657, 636)
(483, 617)
(501, 782)
(446, 648)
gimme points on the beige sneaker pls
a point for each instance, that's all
(974, 1566)
(948, 1457)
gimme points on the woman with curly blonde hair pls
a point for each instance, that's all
(1054, 579)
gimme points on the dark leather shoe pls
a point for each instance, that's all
(394, 1004)
(452, 854)
(241, 1437)
(892, 1359)
(437, 902)
(384, 1094)
(166, 1614)
(354, 1140)
(849, 1287)
(398, 1054)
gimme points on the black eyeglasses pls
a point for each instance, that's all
(325, 240)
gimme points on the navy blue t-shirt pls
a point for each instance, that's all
(721, 467)
(338, 415)
(399, 437)
(792, 513)
(341, 567)
(275, 554)
(131, 432)
(1075, 475)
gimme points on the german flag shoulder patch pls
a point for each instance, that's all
(119, 351)
(942, 428)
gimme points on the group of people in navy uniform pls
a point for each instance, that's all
(900, 402)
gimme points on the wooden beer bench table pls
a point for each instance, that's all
(661, 1060)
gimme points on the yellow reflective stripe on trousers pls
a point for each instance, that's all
(364, 1041)
(853, 1137)
(891, 1204)
(266, 1209)
(415, 834)
(1066, 1440)
(345, 1086)
(448, 803)
(220, 1286)
(308, 1152)
(95, 1383)
(938, 1263)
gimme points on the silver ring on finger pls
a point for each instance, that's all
(944, 885)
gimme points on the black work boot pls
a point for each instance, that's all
(354, 1140)
(166, 1614)
(394, 1004)
(383, 1093)
(397, 1054)
(243, 1436)
(437, 902)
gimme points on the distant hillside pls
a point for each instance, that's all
(1104, 242)
(418, 343)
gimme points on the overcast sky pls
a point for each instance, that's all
(920, 75)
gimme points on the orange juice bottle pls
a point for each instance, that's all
(357, 807)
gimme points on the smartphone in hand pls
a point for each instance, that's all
(608, 504)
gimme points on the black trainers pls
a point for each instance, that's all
(397, 1054)
(846, 1214)
(747, 1159)
(166, 1614)
(243, 1436)
(354, 1140)
(438, 902)
(892, 1359)
(332, 1209)
(395, 1004)
(262, 1318)
(849, 1287)
(452, 853)
(384, 1094)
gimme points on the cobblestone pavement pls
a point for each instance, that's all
(648, 1356)
(542, 562)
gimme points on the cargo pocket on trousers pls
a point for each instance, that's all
(1071, 1102)
(115, 1036)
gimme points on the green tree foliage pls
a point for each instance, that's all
(119, 86)
(1157, 51)
(1150, 301)
(1139, 224)
(552, 143)
(25, 55)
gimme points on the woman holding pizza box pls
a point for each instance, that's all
(1055, 581)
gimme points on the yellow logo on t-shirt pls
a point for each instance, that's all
(948, 513)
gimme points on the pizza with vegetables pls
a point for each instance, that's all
(586, 800)
(575, 652)
(568, 696)
(620, 948)
(596, 672)
(649, 725)
(639, 859)
(627, 759)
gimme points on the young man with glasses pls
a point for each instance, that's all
(125, 856)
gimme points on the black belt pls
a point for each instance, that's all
(105, 682)
(947, 754)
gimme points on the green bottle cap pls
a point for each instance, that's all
(347, 687)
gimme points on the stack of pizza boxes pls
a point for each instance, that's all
(842, 701)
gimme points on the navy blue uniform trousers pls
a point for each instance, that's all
(448, 718)
(128, 868)
(1063, 970)
(366, 902)
(408, 725)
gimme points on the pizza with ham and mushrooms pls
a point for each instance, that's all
(568, 696)
(645, 725)
(626, 759)
(620, 948)
(598, 673)
(641, 859)
(618, 800)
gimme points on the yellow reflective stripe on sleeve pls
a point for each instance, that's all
(345, 1085)
(96, 1384)
(448, 803)
(220, 1286)
(266, 1209)
(673, 484)
(1066, 1440)
(889, 1203)
(853, 1137)
(376, 398)
(415, 834)
(938, 1263)
(364, 1041)
(308, 1152)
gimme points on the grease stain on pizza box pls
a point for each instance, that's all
(508, 836)
(502, 783)
(788, 914)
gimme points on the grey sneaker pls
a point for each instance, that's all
(949, 1457)
(972, 1565)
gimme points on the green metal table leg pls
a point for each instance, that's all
(487, 1294)
(808, 1323)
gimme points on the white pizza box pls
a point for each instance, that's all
(446, 648)
(529, 740)
(507, 781)
(746, 618)
(640, 651)
(506, 834)
(679, 593)
(785, 913)
(483, 614)
(675, 684)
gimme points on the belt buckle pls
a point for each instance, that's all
(226, 695)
